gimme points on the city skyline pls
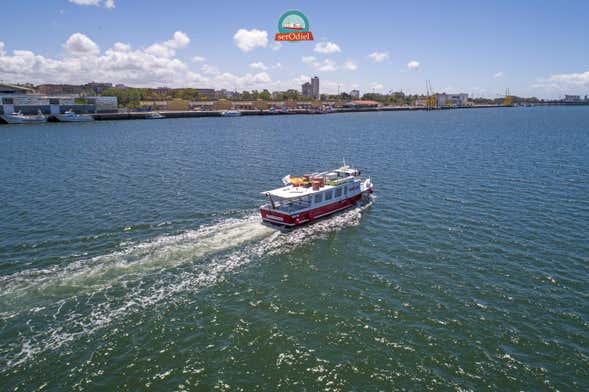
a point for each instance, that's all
(478, 49)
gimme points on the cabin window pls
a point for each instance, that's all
(338, 192)
(328, 195)
(318, 198)
(346, 190)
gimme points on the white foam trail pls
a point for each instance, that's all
(179, 253)
(161, 253)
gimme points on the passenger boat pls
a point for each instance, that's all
(19, 118)
(71, 116)
(314, 196)
(154, 116)
(231, 113)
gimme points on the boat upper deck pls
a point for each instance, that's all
(293, 192)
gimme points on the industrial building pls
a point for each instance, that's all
(454, 100)
(17, 98)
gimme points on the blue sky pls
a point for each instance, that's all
(482, 48)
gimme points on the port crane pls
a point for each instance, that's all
(507, 98)
(430, 97)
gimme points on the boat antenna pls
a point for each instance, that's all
(344, 159)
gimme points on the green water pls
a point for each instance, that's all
(132, 256)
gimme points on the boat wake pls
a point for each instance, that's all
(67, 302)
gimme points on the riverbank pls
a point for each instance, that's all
(219, 113)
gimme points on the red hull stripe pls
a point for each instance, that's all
(284, 219)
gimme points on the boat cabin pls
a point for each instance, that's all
(314, 190)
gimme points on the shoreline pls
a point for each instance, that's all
(218, 113)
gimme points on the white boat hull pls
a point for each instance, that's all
(23, 119)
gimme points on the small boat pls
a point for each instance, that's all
(19, 118)
(316, 195)
(71, 116)
(231, 113)
(153, 116)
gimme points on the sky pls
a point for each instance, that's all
(482, 48)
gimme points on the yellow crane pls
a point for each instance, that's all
(430, 98)
(508, 100)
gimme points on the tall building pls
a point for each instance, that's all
(315, 87)
(355, 94)
(306, 90)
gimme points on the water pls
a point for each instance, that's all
(132, 256)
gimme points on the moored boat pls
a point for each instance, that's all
(154, 116)
(314, 196)
(231, 113)
(19, 118)
(71, 116)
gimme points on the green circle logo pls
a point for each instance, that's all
(293, 21)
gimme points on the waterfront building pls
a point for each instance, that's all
(8, 89)
(306, 90)
(58, 89)
(311, 88)
(103, 103)
(572, 98)
(453, 100)
(355, 94)
(315, 87)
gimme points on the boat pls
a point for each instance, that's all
(231, 113)
(71, 116)
(153, 116)
(305, 199)
(19, 118)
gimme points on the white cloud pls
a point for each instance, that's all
(299, 80)
(376, 86)
(413, 65)
(121, 63)
(198, 59)
(350, 65)
(499, 75)
(179, 40)
(97, 3)
(276, 45)
(327, 47)
(569, 83)
(83, 62)
(121, 47)
(326, 65)
(258, 65)
(579, 79)
(378, 57)
(80, 45)
(210, 69)
(320, 65)
(161, 50)
(247, 40)
(168, 48)
(248, 81)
